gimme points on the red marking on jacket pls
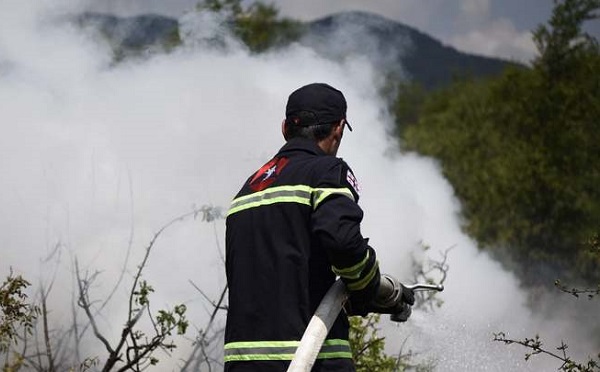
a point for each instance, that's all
(267, 174)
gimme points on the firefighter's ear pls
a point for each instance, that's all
(338, 129)
(284, 130)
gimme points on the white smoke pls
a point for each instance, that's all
(98, 157)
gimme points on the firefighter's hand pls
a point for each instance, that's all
(405, 306)
(398, 304)
(408, 295)
(402, 315)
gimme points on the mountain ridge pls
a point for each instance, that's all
(392, 47)
(430, 62)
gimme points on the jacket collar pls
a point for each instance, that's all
(302, 144)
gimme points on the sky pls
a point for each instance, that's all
(97, 157)
(497, 28)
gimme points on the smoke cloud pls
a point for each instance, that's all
(97, 157)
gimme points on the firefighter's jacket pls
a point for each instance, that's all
(293, 227)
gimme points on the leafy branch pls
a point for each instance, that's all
(17, 315)
(367, 347)
(15, 311)
(536, 346)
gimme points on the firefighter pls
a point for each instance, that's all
(290, 231)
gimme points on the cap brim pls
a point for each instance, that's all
(348, 124)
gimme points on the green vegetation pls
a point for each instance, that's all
(258, 25)
(521, 150)
(17, 319)
(367, 347)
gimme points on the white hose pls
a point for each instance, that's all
(390, 290)
(318, 328)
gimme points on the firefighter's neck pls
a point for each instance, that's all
(331, 143)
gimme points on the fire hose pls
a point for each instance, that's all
(327, 312)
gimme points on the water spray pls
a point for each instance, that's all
(330, 307)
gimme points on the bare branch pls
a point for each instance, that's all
(201, 343)
(134, 315)
(128, 250)
(431, 271)
(85, 305)
(46, 335)
(590, 292)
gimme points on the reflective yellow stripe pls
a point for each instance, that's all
(282, 199)
(361, 284)
(352, 272)
(240, 344)
(253, 357)
(336, 341)
(321, 194)
(249, 357)
(343, 354)
(282, 194)
(301, 194)
(282, 350)
(275, 189)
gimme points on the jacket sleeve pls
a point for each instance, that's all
(336, 222)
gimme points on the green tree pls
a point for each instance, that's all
(562, 42)
(368, 349)
(258, 25)
(17, 319)
(521, 149)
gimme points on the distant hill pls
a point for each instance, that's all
(392, 47)
(397, 48)
(129, 35)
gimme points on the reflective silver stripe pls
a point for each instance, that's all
(282, 350)
(301, 194)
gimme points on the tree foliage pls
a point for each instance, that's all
(17, 318)
(368, 349)
(16, 311)
(521, 150)
(258, 25)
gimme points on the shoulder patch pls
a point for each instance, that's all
(267, 174)
(351, 178)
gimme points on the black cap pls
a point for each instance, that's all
(315, 104)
